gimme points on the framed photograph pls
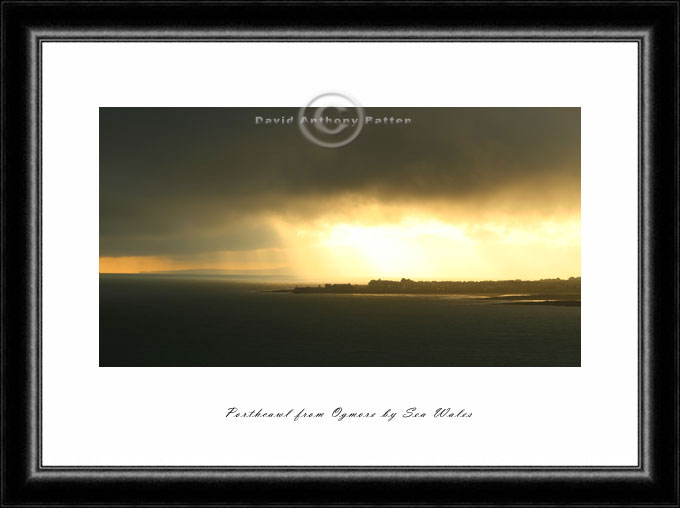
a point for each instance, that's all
(366, 253)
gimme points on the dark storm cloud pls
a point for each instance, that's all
(182, 180)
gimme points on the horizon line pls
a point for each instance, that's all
(398, 278)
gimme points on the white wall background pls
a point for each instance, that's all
(175, 416)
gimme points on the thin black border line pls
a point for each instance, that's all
(38, 437)
(339, 37)
(35, 160)
(494, 471)
(220, 33)
(642, 83)
(677, 236)
(3, 249)
(272, 3)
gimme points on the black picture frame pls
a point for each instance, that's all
(653, 25)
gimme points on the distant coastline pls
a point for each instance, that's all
(540, 292)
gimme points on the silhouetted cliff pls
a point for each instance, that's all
(571, 287)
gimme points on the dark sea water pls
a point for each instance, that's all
(221, 321)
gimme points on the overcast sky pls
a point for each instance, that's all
(195, 184)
